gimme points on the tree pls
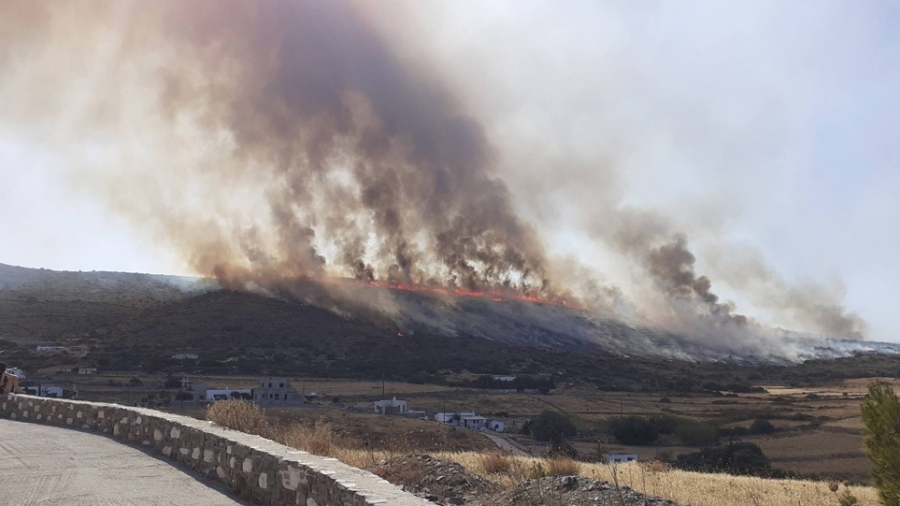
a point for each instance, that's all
(633, 430)
(697, 433)
(881, 417)
(552, 426)
(762, 427)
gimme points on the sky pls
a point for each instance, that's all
(765, 131)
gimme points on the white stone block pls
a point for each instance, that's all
(196, 454)
(232, 463)
(157, 435)
(183, 451)
(208, 456)
(116, 430)
(79, 415)
(220, 472)
(175, 433)
(263, 481)
(247, 466)
(290, 478)
(69, 421)
(167, 451)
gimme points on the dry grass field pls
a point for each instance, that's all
(818, 429)
(652, 478)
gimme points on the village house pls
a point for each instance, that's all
(44, 391)
(51, 349)
(466, 419)
(87, 370)
(619, 458)
(223, 394)
(276, 391)
(186, 356)
(390, 407)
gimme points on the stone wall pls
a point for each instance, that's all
(258, 469)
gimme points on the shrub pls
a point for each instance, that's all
(496, 463)
(633, 430)
(697, 433)
(881, 417)
(562, 467)
(762, 427)
(665, 424)
(737, 458)
(239, 415)
(665, 400)
(552, 426)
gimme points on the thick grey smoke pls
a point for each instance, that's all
(270, 142)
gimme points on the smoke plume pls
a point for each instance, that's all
(271, 142)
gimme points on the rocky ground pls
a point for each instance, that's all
(448, 483)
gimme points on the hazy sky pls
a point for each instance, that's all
(760, 129)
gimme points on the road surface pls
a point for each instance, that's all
(52, 466)
(505, 445)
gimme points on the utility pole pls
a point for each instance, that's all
(382, 384)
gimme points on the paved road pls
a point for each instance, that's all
(51, 466)
(505, 445)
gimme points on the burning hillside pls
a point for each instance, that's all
(275, 145)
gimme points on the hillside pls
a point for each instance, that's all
(135, 322)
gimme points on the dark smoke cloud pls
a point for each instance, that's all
(315, 151)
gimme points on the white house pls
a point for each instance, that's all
(495, 425)
(505, 379)
(45, 391)
(186, 356)
(390, 407)
(52, 349)
(17, 372)
(87, 370)
(469, 420)
(452, 418)
(223, 394)
(620, 458)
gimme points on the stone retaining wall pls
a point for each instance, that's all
(260, 470)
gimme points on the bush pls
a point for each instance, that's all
(881, 417)
(552, 426)
(737, 458)
(239, 415)
(697, 433)
(762, 427)
(496, 463)
(633, 430)
(665, 424)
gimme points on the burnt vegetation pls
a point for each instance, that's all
(136, 323)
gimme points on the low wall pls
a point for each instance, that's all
(257, 469)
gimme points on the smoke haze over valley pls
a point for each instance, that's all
(315, 152)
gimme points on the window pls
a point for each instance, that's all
(270, 385)
(281, 385)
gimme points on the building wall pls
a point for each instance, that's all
(260, 470)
